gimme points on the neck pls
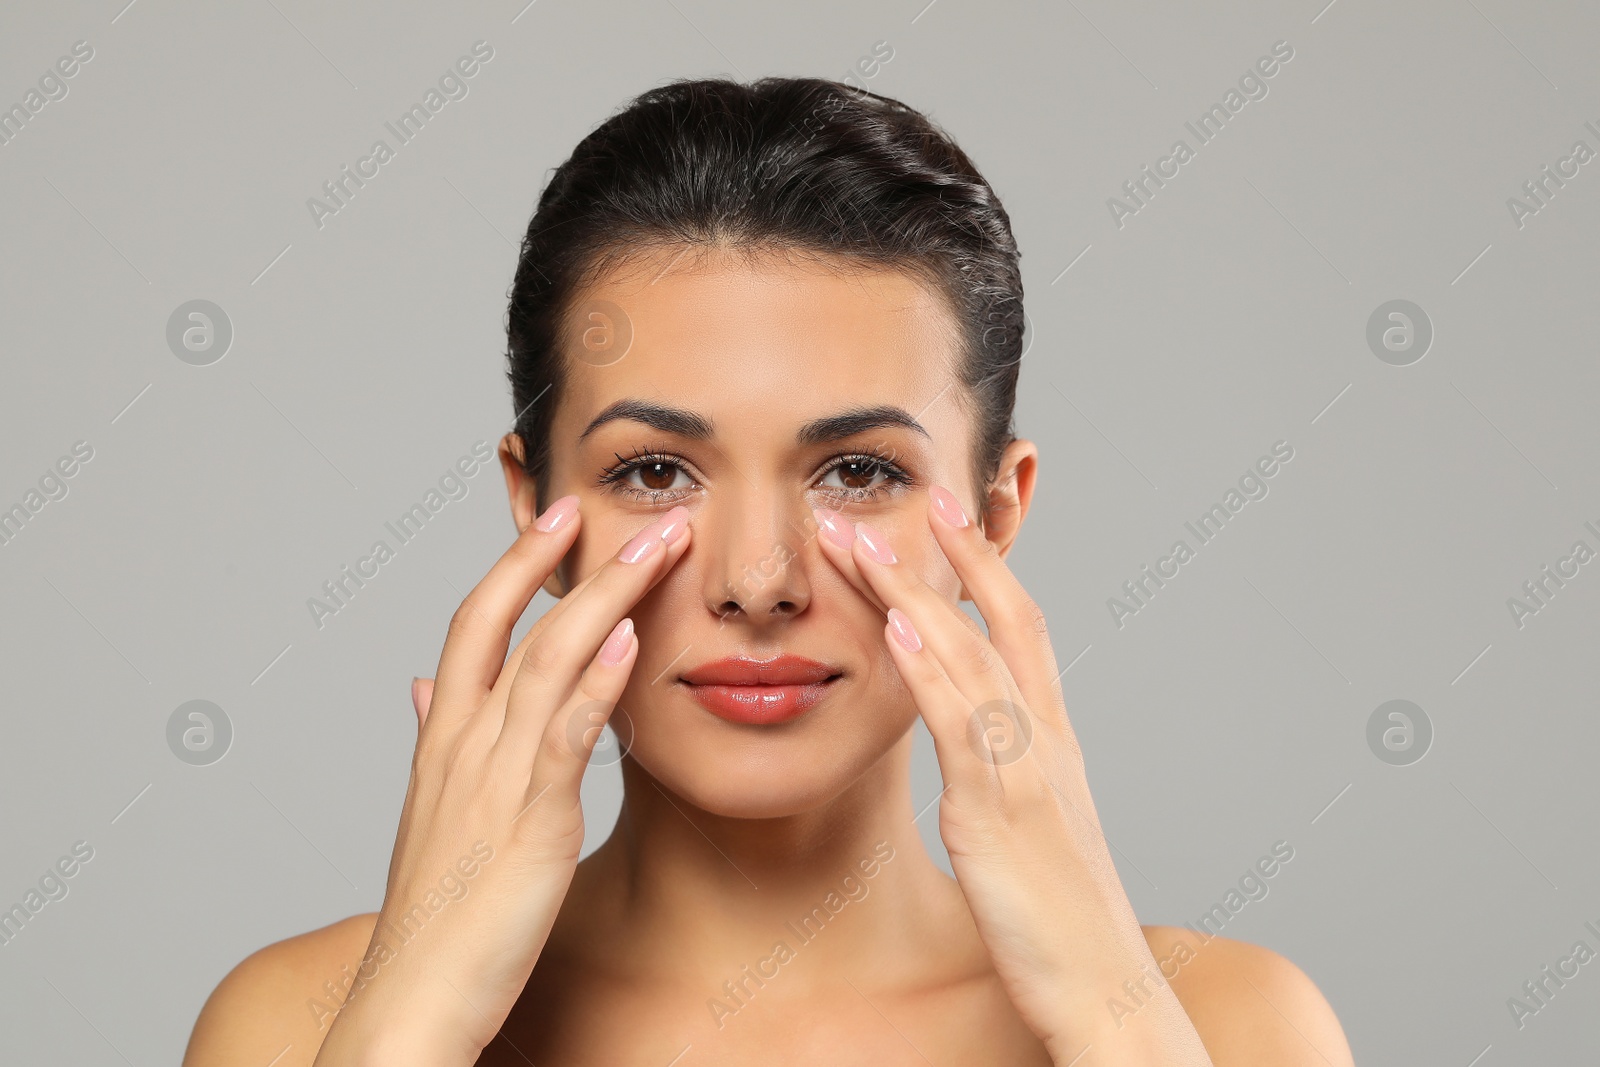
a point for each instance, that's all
(688, 891)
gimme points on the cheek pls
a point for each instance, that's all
(922, 552)
(669, 620)
(894, 692)
(596, 543)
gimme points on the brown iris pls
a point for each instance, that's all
(659, 469)
(864, 469)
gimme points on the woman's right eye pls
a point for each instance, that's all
(657, 476)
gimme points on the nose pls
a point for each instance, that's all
(753, 543)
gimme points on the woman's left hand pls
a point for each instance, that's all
(1016, 817)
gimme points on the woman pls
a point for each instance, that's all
(765, 338)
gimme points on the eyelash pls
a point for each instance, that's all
(614, 477)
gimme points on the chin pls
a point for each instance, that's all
(745, 770)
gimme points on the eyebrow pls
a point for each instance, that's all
(696, 427)
(854, 421)
(667, 419)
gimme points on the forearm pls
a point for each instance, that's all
(1110, 1002)
(385, 1026)
(1126, 1015)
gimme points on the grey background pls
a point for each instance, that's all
(1228, 314)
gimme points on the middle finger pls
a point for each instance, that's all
(961, 648)
(552, 661)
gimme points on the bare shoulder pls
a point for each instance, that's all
(1250, 1005)
(278, 1002)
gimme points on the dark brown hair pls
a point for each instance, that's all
(800, 164)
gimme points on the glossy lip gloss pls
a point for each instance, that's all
(759, 692)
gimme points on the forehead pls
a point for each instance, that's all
(760, 341)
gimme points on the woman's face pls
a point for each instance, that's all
(735, 372)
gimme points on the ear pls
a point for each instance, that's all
(1006, 504)
(519, 487)
(523, 494)
(1011, 494)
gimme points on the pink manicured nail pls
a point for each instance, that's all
(948, 507)
(674, 523)
(835, 526)
(558, 514)
(877, 545)
(642, 544)
(616, 646)
(904, 632)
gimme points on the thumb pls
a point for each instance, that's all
(421, 698)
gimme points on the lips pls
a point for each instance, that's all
(780, 670)
(760, 692)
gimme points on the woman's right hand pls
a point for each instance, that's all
(501, 751)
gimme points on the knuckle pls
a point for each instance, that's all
(465, 622)
(1033, 616)
(541, 660)
(443, 773)
(555, 744)
(594, 691)
(1062, 762)
(530, 553)
(551, 829)
(426, 757)
(981, 657)
(438, 746)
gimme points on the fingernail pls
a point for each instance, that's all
(558, 514)
(616, 646)
(904, 632)
(834, 526)
(877, 545)
(675, 522)
(948, 507)
(643, 543)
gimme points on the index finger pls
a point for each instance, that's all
(480, 630)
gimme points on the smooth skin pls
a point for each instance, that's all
(729, 834)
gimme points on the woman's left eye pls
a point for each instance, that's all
(858, 476)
